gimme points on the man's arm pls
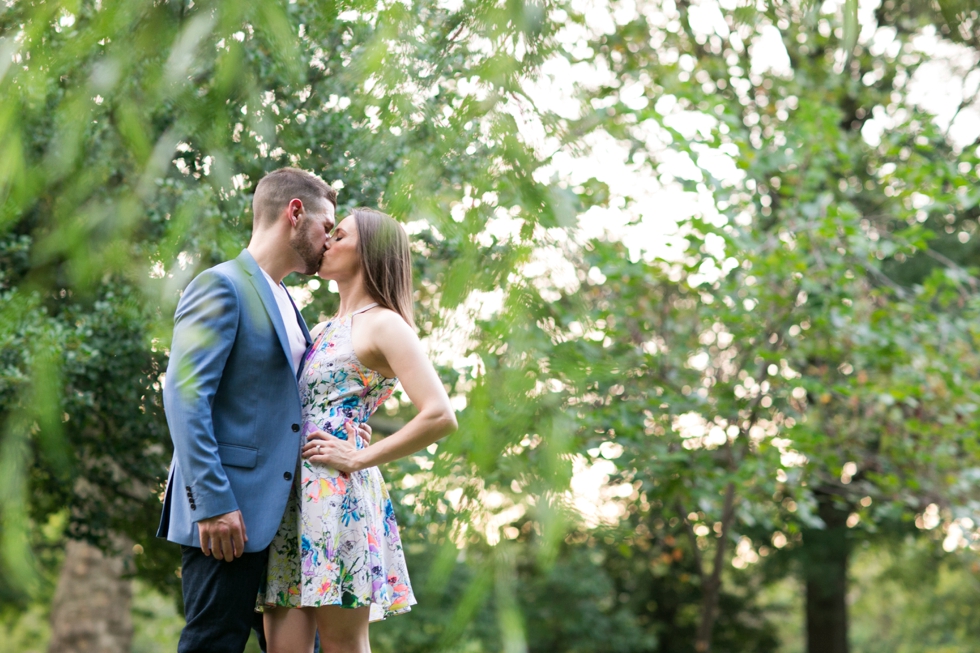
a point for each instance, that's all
(204, 333)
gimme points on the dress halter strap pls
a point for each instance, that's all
(364, 308)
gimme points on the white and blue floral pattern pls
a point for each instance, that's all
(338, 543)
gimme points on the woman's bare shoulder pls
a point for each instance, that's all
(387, 323)
(315, 331)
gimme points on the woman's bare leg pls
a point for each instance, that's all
(289, 630)
(343, 630)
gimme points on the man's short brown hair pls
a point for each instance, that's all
(276, 189)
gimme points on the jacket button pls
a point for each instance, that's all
(287, 476)
(295, 428)
(193, 507)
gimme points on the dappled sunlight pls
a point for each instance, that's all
(699, 279)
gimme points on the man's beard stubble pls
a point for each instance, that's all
(302, 244)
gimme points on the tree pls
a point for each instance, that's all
(795, 382)
(804, 357)
(90, 611)
(128, 168)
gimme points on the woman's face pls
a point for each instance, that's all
(341, 259)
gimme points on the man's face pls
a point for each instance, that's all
(310, 235)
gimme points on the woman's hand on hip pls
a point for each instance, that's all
(342, 455)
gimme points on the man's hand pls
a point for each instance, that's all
(224, 535)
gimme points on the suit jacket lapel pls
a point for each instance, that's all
(261, 286)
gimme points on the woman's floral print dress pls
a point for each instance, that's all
(338, 542)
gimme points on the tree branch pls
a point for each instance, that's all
(698, 563)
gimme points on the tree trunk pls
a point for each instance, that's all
(91, 608)
(711, 585)
(825, 555)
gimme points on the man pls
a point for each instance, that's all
(233, 407)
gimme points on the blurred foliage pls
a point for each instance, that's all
(815, 340)
(920, 598)
(594, 598)
(128, 168)
(811, 335)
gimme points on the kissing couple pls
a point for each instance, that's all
(274, 492)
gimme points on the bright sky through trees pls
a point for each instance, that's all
(648, 220)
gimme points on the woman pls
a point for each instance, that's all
(337, 555)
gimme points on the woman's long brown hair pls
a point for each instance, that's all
(386, 260)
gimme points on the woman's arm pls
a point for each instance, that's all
(394, 341)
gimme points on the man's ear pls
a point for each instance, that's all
(295, 209)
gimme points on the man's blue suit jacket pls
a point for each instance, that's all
(232, 405)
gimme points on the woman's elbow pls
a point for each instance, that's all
(447, 422)
(439, 421)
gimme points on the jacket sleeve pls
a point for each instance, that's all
(205, 326)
